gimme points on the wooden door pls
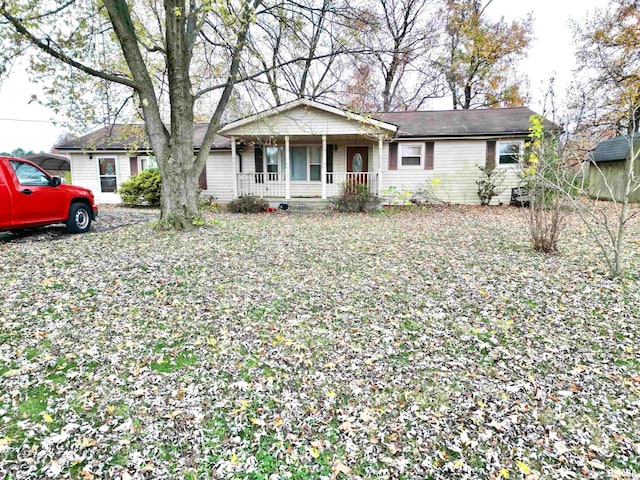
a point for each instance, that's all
(357, 166)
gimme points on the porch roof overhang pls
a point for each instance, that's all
(304, 119)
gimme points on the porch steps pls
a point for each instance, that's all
(301, 205)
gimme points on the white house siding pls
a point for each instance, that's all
(85, 173)
(220, 176)
(303, 121)
(455, 171)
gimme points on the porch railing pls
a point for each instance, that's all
(261, 184)
(274, 184)
(336, 179)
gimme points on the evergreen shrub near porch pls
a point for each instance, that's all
(142, 189)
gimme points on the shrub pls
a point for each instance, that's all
(248, 204)
(489, 184)
(427, 194)
(354, 198)
(396, 196)
(142, 189)
(544, 180)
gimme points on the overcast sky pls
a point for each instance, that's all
(29, 126)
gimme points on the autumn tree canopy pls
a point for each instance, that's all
(608, 57)
(480, 56)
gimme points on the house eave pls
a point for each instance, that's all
(492, 136)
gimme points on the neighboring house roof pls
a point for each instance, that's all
(304, 102)
(50, 161)
(616, 148)
(132, 138)
(463, 123)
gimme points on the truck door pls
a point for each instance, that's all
(5, 200)
(36, 199)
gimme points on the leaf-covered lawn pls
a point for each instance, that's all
(431, 344)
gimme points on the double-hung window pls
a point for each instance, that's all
(411, 155)
(315, 163)
(274, 157)
(510, 152)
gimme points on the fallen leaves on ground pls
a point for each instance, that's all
(428, 344)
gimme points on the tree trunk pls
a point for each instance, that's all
(179, 199)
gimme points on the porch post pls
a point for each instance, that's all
(380, 145)
(287, 168)
(234, 166)
(323, 168)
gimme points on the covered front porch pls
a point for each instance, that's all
(309, 167)
(306, 150)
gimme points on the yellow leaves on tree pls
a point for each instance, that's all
(481, 55)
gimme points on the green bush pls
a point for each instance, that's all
(142, 189)
(355, 198)
(248, 204)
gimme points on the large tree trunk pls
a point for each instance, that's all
(179, 199)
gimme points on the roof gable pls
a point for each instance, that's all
(304, 117)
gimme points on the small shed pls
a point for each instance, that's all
(608, 165)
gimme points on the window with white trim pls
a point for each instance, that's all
(315, 163)
(305, 163)
(274, 158)
(411, 155)
(147, 162)
(510, 152)
(107, 171)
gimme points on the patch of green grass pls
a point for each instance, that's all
(170, 364)
(59, 370)
(35, 402)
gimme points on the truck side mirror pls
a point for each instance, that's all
(55, 181)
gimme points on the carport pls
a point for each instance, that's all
(52, 163)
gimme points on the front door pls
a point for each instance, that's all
(357, 165)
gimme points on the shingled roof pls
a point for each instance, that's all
(495, 122)
(132, 138)
(616, 148)
(462, 123)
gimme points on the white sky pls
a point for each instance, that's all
(31, 127)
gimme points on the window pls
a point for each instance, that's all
(315, 163)
(148, 162)
(305, 163)
(107, 169)
(411, 155)
(29, 175)
(275, 161)
(298, 163)
(510, 152)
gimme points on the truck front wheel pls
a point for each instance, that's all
(79, 220)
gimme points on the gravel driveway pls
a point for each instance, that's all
(109, 218)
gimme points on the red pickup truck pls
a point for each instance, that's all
(30, 197)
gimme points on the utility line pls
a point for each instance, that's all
(24, 120)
